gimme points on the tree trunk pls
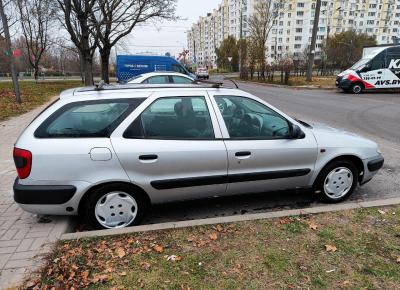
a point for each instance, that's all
(105, 65)
(36, 73)
(88, 70)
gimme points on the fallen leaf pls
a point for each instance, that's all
(158, 248)
(398, 259)
(145, 265)
(213, 236)
(121, 252)
(191, 239)
(330, 271)
(330, 248)
(345, 283)
(285, 221)
(174, 258)
(123, 273)
(85, 275)
(381, 211)
(313, 226)
(30, 284)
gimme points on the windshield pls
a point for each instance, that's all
(360, 64)
(131, 79)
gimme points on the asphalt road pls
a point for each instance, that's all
(375, 116)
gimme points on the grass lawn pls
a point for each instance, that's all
(33, 94)
(327, 82)
(358, 249)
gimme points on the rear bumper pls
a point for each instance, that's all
(42, 194)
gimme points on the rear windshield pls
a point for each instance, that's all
(91, 119)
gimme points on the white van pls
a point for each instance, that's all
(378, 69)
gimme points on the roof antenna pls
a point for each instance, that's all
(100, 85)
(236, 85)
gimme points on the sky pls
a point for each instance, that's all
(165, 36)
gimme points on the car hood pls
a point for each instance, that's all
(346, 72)
(327, 136)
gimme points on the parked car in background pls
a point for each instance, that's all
(109, 153)
(202, 73)
(378, 69)
(161, 78)
(129, 66)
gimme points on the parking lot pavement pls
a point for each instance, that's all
(23, 238)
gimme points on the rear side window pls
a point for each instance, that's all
(176, 118)
(92, 119)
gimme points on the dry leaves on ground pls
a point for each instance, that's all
(330, 248)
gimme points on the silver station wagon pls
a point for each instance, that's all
(108, 153)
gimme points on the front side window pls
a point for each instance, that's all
(248, 119)
(173, 118)
(86, 119)
(181, 80)
(157, 80)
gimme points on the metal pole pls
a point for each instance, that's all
(313, 41)
(9, 53)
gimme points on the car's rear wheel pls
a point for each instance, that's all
(337, 181)
(357, 88)
(114, 206)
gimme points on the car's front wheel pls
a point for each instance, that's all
(337, 181)
(357, 88)
(114, 206)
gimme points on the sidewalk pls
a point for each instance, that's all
(23, 239)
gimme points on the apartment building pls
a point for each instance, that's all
(292, 30)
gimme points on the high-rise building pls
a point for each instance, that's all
(291, 31)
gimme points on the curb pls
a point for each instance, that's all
(232, 219)
(286, 86)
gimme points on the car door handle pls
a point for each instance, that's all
(243, 154)
(148, 157)
(379, 72)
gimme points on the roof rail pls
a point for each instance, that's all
(100, 85)
(215, 85)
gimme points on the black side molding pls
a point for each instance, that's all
(376, 164)
(42, 194)
(221, 179)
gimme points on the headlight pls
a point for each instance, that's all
(378, 151)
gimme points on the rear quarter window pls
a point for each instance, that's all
(90, 119)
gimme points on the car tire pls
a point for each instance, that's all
(337, 181)
(108, 203)
(357, 88)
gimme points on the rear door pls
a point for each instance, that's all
(172, 147)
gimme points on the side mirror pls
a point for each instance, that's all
(297, 133)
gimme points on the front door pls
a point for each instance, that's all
(173, 148)
(261, 155)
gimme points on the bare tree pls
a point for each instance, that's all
(116, 19)
(76, 20)
(7, 37)
(35, 18)
(260, 24)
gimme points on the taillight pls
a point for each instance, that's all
(23, 162)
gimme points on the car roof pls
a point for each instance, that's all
(164, 73)
(126, 88)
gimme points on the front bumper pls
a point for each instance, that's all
(371, 167)
(42, 194)
(344, 84)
